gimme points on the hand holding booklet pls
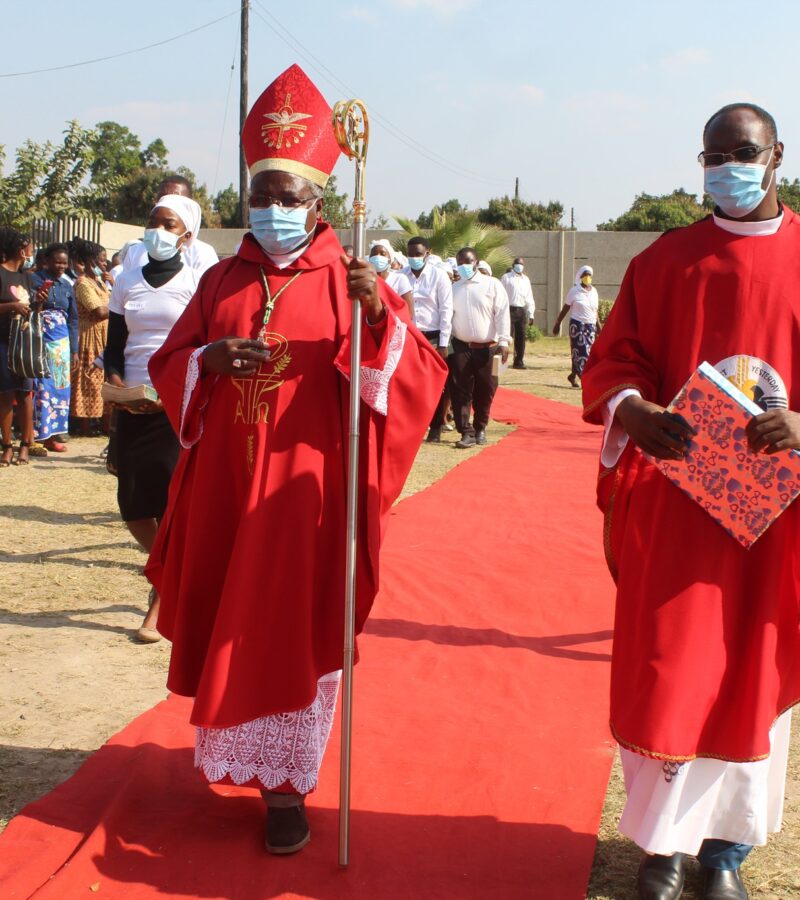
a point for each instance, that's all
(744, 492)
(132, 397)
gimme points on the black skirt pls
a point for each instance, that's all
(147, 452)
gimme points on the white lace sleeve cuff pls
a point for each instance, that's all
(614, 440)
(189, 385)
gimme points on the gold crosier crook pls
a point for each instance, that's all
(351, 127)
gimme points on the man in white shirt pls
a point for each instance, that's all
(481, 329)
(196, 254)
(521, 307)
(433, 311)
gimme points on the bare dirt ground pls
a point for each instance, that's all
(72, 596)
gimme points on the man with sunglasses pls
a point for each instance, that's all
(706, 658)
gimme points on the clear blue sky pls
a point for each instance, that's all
(587, 103)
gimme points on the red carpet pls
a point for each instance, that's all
(481, 747)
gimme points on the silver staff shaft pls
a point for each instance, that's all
(352, 133)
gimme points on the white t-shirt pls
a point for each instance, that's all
(198, 255)
(399, 283)
(583, 304)
(149, 314)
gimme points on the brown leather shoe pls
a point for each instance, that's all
(286, 829)
(661, 877)
(721, 884)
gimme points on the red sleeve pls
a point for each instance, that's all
(618, 360)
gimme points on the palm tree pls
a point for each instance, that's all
(452, 232)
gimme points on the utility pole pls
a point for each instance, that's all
(516, 188)
(243, 174)
(572, 218)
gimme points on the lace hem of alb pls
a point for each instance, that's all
(189, 384)
(273, 749)
(375, 382)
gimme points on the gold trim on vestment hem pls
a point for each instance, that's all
(652, 754)
(293, 167)
(609, 393)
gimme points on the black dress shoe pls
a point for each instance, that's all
(467, 440)
(286, 829)
(661, 877)
(480, 437)
(434, 436)
(721, 884)
(519, 366)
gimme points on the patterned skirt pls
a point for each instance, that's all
(52, 394)
(581, 338)
(86, 400)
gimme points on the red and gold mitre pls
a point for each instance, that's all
(289, 129)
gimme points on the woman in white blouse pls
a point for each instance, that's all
(582, 303)
(145, 304)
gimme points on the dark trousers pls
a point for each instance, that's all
(471, 385)
(519, 325)
(716, 854)
(438, 414)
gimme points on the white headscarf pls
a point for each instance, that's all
(386, 246)
(483, 266)
(123, 250)
(186, 208)
(584, 270)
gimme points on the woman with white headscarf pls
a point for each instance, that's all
(145, 304)
(381, 256)
(581, 303)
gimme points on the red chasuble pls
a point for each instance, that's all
(249, 560)
(707, 634)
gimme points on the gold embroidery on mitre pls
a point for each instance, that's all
(252, 407)
(282, 129)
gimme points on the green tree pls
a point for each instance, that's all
(659, 213)
(116, 151)
(452, 232)
(336, 209)
(511, 214)
(449, 207)
(226, 206)
(155, 154)
(789, 193)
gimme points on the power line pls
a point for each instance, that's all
(89, 62)
(339, 85)
(225, 113)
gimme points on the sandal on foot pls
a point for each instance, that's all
(149, 635)
(286, 830)
(5, 463)
(26, 446)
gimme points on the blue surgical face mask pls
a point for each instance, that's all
(466, 271)
(518, 267)
(279, 230)
(416, 262)
(27, 263)
(736, 187)
(380, 263)
(97, 271)
(160, 244)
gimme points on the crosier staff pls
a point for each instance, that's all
(351, 127)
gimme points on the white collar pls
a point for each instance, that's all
(282, 260)
(750, 229)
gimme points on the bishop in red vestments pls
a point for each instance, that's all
(706, 652)
(249, 560)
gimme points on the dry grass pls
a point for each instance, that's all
(72, 595)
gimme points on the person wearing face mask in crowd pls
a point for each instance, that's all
(249, 560)
(196, 254)
(52, 393)
(91, 293)
(17, 293)
(706, 654)
(145, 304)
(380, 257)
(433, 312)
(521, 307)
(581, 304)
(481, 330)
